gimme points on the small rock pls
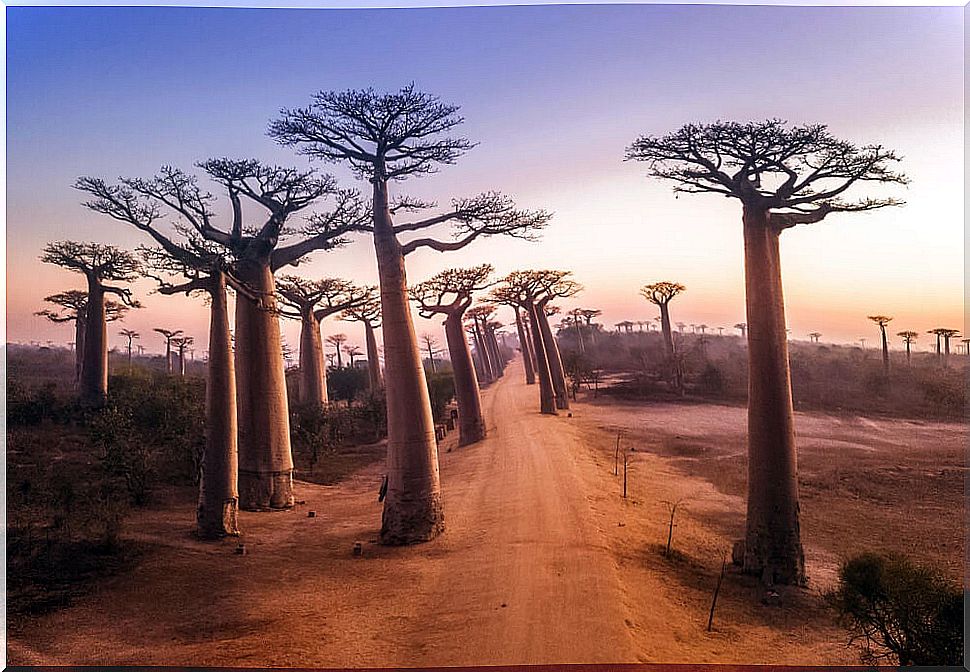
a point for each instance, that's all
(240, 549)
(621, 524)
(569, 415)
(358, 549)
(504, 605)
(311, 514)
(771, 598)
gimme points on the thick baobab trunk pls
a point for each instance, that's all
(80, 327)
(181, 362)
(471, 423)
(885, 349)
(908, 352)
(265, 459)
(556, 370)
(374, 380)
(773, 548)
(168, 355)
(94, 369)
(218, 496)
(313, 371)
(431, 362)
(547, 398)
(530, 372)
(529, 331)
(413, 509)
(665, 327)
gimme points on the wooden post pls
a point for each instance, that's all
(625, 460)
(717, 589)
(616, 455)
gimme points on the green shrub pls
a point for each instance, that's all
(899, 610)
(441, 389)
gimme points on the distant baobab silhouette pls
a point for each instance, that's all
(743, 328)
(450, 293)
(99, 264)
(478, 317)
(169, 335)
(337, 341)
(181, 343)
(626, 326)
(312, 301)
(966, 345)
(431, 347)
(369, 314)
(588, 315)
(784, 176)
(702, 328)
(130, 335)
(680, 327)
(384, 138)
(352, 352)
(862, 340)
(661, 294)
(944, 334)
(74, 303)
(882, 321)
(814, 336)
(908, 338)
(576, 315)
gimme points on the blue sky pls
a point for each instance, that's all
(553, 94)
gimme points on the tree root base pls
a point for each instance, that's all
(262, 491)
(219, 522)
(412, 521)
(787, 570)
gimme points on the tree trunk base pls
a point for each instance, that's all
(775, 567)
(412, 521)
(562, 404)
(470, 435)
(259, 491)
(218, 522)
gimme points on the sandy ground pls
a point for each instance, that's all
(543, 561)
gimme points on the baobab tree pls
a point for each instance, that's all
(369, 314)
(784, 176)
(169, 335)
(450, 293)
(431, 347)
(576, 319)
(525, 340)
(814, 336)
(680, 326)
(206, 269)
(312, 301)
(337, 341)
(702, 328)
(99, 264)
(181, 343)
(944, 334)
(386, 137)
(588, 315)
(352, 352)
(908, 338)
(252, 244)
(130, 335)
(882, 321)
(73, 307)
(743, 328)
(478, 316)
(548, 286)
(661, 294)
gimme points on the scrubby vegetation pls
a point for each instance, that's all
(900, 612)
(824, 377)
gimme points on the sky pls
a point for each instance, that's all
(553, 95)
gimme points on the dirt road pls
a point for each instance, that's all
(542, 562)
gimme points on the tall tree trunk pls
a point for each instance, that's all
(340, 360)
(482, 346)
(530, 372)
(529, 331)
(94, 370)
(168, 355)
(481, 354)
(265, 458)
(908, 353)
(885, 350)
(218, 496)
(129, 355)
(80, 327)
(413, 510)
(434, 368)
(555, 360)
(495, 356)
(181, 362)
(471, 423)
(313, 371)
(374, 380)
(773, 546)
(665, 327)
(547, 398)
(579, 335)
